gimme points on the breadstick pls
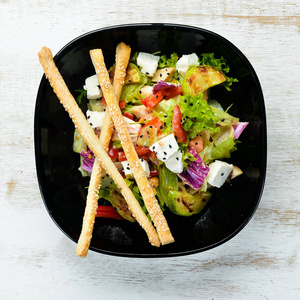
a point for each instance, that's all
(90, 138)
(150, 201)
(122, 59)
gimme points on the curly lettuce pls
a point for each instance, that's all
(197, 115)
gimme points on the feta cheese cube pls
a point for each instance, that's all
(127, 171)
(165, 147)
(185, 62)
(148, 63)
(92, 87)
(93, 93)
(174, 163)
(95, 118)
(91, 82)
(218, 173)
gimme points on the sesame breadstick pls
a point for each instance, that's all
(122, 59)
(150, 201)
(88, 135)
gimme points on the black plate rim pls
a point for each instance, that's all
(264, 137)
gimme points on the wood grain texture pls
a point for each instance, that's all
(261, 262)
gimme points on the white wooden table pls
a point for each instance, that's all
(38, 261)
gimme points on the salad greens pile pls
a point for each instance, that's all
(180, 134)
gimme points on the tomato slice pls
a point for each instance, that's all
(153, 100)
(122, 104)
(165, 93)
(106, 211)
(113, 153)
(156, 122)
(128, 115)
(177, 127)
(153, 173)
(140, 151)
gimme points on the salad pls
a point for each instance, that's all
(181, 135)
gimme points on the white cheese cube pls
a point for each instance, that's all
(185, 62)
(92, 87)
(174, 163)
(148, 63)
(91, 82)
(127, 171)
(218, 173)
(93, 93)
(95, 118)
(165, 147)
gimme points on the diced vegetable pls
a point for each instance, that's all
(162, 91)
(108, 212)
(239, 128)
(177, 127)
(196, 172)
(140, 150)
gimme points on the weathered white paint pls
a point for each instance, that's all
(39, 262)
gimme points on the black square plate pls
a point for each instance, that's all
(64, 190)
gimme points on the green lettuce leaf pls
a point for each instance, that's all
(223, 150)
(167, 181)
(187, 157)
(81, 96)
(164, 111)
(196, 115)
(165, 62)
(223, 118)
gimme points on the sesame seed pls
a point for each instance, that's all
(170, 146)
